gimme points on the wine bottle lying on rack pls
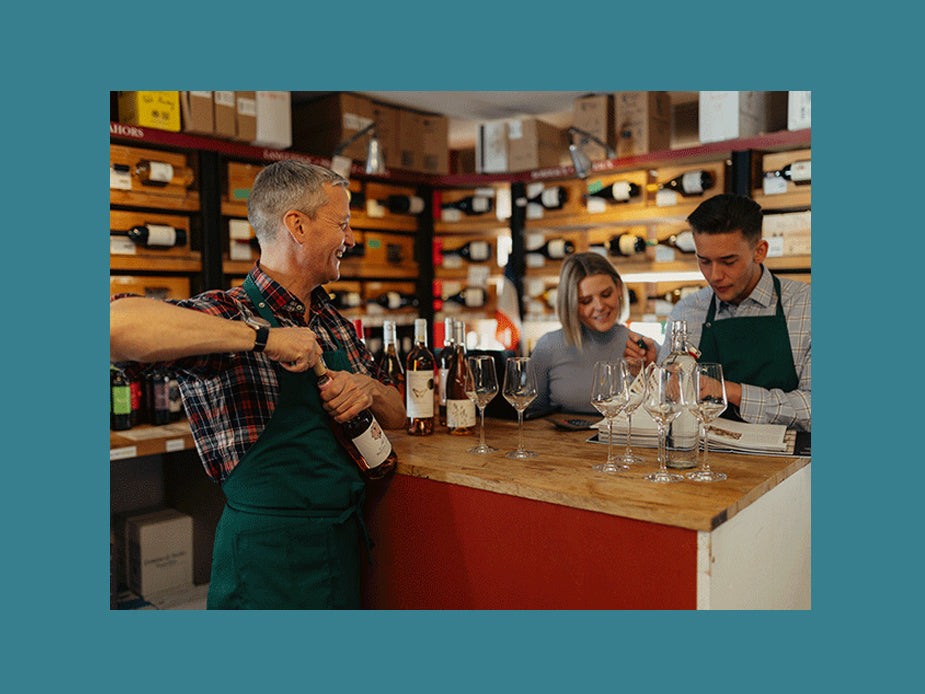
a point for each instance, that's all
(153, 235)
(470, 297)
(471, 205)
(403, 204)
(345, 299)
(798, 172)
(618, 191)
(690, 183)
(159, 174)
(554, 249)
(473, 252)
(626, 244)
(552, 198)
(396, 300)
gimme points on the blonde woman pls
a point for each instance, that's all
(592, 305)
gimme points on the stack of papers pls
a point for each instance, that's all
(723, 434)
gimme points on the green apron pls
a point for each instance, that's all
(290, 534)
(752, 349)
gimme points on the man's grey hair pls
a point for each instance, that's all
(291, 184)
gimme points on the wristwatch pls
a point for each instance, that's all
(262, 328)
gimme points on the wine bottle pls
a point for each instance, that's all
(690, 183)
(403, 204)
(626, 244)
(120, 400)
(470, 297)
(473, 252)
(443, 367)
(419, 383)
(683, 241)
(470, 205)
(460, 410)
(618, 191)
(550, 198)
(683, 430)
(390, 362)
(554, 249)
(159, 397)
(343, 299)
(159, 174)
(153, 235)
(798, 172)
(396, 300)
(362, 437)
(174, 400)
(357, 200)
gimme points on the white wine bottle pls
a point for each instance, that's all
(799, 172)
(471, 205)
(690, 183)
(618, 191)
(159, 174)
(460, 410)
(153, 235)
(552, 198)
(683, 430)
(419, 383)
(554, 249)
(473, 252)
(683, 241)
(470, 297)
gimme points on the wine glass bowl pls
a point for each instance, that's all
(708, 402)
(519, 391)
(663, 401)
(608, 396)
(481, 388)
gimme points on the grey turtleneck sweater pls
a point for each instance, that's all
(563, 373)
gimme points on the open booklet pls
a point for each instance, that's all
(723, 434)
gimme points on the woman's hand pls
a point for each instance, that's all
(641, 347)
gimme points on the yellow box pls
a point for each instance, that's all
(150, 109)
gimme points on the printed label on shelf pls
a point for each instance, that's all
(596, 205)
(450, 215)
(451, 262)
(121, 245)
(535, 260)
(533, 241)
(122, 453)
(478, 276)
(534, 211)
(120, 180)
(664, 254)
(666, 198)
(775, 246)
(774, 185)
(172, 445)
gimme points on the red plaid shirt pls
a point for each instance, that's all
(230, 397)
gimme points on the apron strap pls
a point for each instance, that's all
(259, 301)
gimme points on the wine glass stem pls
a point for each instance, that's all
(706, 461)
(482, 427)
(610, 439)
(520, 430)
(662, 453)
(629, 429)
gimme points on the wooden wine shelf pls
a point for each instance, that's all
(485, 227)
(130, 198)
(150, 440)
(133, 263)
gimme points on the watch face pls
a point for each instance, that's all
(257, 322)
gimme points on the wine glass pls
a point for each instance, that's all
(608, 397)
(481, 388)
(520, 391)
(708, 402)
(634, 374)
(664, 401)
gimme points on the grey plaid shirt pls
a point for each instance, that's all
(760, 405)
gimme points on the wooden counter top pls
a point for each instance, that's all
(561, 474)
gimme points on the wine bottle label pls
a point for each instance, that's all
(627, 244)
(479, 251)
(685, 241)
(373, 444)
(556, 248)
(773, 184)
(420, 394)
(460, 413)
(121, 400)
(415, 205)
(621, 191)
(394, 300)
(800, 171)
(480, 205)
(596, 205)
(161, 235)
(666, 198)
(550, 197)
(691, 183)
(122, 245)
(160, 171)
(120, 179)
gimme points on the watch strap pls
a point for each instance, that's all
(260, 341)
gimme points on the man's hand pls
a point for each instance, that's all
(296, 349)
(346, 395)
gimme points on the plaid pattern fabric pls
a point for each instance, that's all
(760, 405)
(230, 397)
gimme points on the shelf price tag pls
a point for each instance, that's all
(122, 453)
(666, 198)
(120, 178)
(121, 245)
(774, 185)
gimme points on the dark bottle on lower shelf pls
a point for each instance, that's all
(159, 397)
(120, 400)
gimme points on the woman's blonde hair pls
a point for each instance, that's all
(574, 269)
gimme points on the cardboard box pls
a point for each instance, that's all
(198, 113)
(410, 136)
(320, 125)
(224, 114)
(245, 116)
(799, 111)
(435, 147)
(491, 147)
(160, 551)
(595, 115)
(274, 120)
(386, 119)
(642, 121)
(535, 144)
(150, 109)
(731, 115)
